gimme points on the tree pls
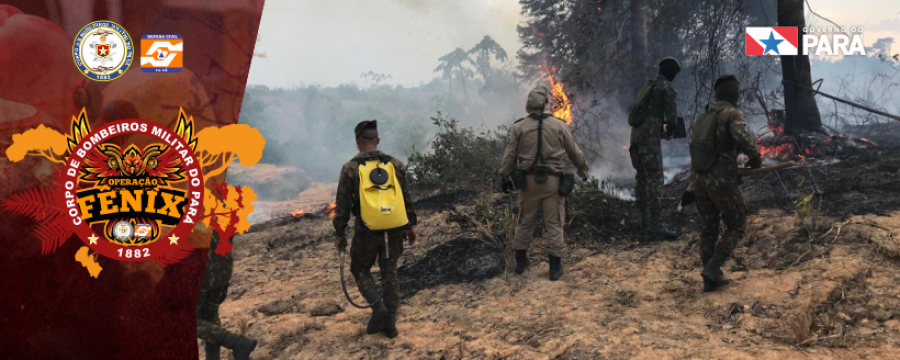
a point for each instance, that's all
(639, 41)
(453, 65)
(483, 51)
(801, 111)
(373, 80)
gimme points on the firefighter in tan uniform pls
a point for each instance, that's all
(535, 153)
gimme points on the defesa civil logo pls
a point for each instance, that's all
(102, 50)
(162, 53)
(784, 40)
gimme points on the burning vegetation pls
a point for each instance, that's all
(328, 211)
(778, 146)
(561, 107)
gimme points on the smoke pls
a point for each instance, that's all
(331, 43)
(309, 129)
(417, 5)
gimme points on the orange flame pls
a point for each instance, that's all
(562, 106)
(331, 209)
(779, 152)
(298, 213)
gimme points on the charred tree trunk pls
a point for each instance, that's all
(802, 113)
(639, 42)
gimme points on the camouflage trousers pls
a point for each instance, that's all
(648, 184)
(367, 249)
(720, 202)
(541, 197)
(213, 290)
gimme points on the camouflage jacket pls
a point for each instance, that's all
(732, 138)
(347, 199)
(557, 144)
(660, 108)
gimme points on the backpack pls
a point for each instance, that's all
(636, 113)
(381, 203)
(704, 151)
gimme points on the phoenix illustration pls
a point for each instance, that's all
(159, 161)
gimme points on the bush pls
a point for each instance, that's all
(459, 159)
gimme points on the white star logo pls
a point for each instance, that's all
(173, 240)
(93, 239)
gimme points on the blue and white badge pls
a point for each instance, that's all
(103, 50)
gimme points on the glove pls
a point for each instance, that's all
(755, 162)
(340, 243)
(506, 187)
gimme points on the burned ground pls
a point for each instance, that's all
(457, 261)
(818, 286)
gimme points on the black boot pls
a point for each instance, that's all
(713, 278)
(556, 269)
(707, 285)
(212, 350)
(390, 325)
(241, 346)
(521, 261)
(379, 312)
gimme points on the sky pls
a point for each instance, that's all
(333, 42)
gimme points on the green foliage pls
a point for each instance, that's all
(483, 51)
(453, 63)
(804, 204)
(458, 159)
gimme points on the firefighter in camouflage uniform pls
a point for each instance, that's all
(213, 290)
(369, 247)
(717, 184)
(652, 109)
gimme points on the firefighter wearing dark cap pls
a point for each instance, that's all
(373, 187)
(534, 158)
(654, 106)
(717, 137)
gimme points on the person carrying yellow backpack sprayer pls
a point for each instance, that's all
(373, 188)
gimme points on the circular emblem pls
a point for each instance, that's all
(147, 197)
(123, 231)
(378, 176)
(103, 50)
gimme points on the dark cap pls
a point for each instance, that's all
(669, 61)
(726, 77)
(367, 129)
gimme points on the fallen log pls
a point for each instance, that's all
(767, 169)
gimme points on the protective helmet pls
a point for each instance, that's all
(728, 88)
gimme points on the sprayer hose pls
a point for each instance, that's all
(344, 287)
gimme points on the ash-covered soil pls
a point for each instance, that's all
(817, 285)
